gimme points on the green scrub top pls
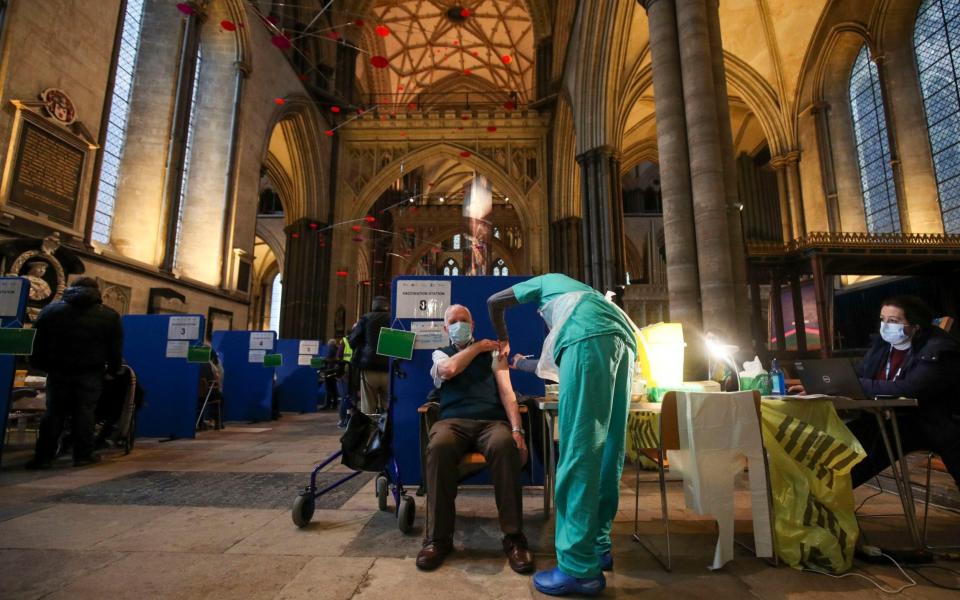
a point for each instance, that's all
(593, 316)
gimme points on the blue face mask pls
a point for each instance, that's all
(460, 333)
(892, 333)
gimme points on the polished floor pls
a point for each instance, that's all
(209, 518)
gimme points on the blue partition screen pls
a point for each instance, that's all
(247, 383)
(297, 388)
(410, 380)
(152, 348)
(17, 303)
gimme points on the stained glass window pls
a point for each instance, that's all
(276, 298)
(936, 42)
(451, 267)
(500, 268)
(873, 147)
(117, 121)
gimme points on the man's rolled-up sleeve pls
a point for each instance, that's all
(438, 355)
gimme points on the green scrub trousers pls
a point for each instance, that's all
(595, 379)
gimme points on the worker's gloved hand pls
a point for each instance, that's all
(516, 360)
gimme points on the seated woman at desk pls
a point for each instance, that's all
(913, 359)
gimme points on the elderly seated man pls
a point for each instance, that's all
(478, 413)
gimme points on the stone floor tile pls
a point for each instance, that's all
(74, 526)
(180, 576)
(28, 574)
(329, 532)
(201, 530)
(457, 579)
(327, 578)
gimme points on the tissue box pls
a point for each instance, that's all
(761, 383)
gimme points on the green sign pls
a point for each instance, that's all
(272, 360)
(318, 362)
(396, 343)
(16, 340)
(198, 354)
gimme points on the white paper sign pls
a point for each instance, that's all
(310, 347)
(177, 349)
(261, 340)
(430, 335)
(256, 356)
(10, 296)
(303, 360)
(183, 328)
(422, 299)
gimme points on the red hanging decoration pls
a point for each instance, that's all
(281, 41)
(329, 132)
(228, 25)
(356, 228)
(491, 129)
(382, 30)
(465, 154)
(359, 22)
(295, 235)
(370, 219)
(509, 105)
(303, 76)
(507, 59)
(279, 101)
(467, 72)
(342, 273)
(334, 109)
(273, 20)
(379, 62)
(465, 13)
(313, 226)
(185, 8)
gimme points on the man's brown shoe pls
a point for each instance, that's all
(432, 554)
(519, 556)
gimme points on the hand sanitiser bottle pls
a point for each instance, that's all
(776, 378)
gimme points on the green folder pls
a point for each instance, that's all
(198, 354)
(272, 360)
(396, 343)
(16, 340)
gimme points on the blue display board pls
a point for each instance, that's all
(410, 386)
(16, 301)
(154, 347)
(297, 388)
(247, 383)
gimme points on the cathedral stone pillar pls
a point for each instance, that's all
(345, 74)
(706, 167)
(732, 197)
(791, 199)
(683, 279)
(304, 305)
(604, 251)
(566, 249)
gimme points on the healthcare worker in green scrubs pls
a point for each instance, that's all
(590, 351)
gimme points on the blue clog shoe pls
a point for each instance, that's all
(557, 583)
(606, 561)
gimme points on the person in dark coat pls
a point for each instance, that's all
(914, 359)
(78, 341)
(373, 367)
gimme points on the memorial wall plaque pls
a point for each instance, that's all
(47, 175)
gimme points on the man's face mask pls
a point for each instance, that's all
(459, 332)
(893, 333)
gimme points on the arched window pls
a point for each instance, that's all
(451, 267)
(936, 42)
(457, 242)
(873, 147)
(188, 152)
(276, 299)
(500, 268)
(117, 121)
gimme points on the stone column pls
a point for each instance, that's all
(706, 167)
(821, 116)
(345, 74)
(683, 279)
(788, 185)
(303, 308)
(738, 257)
(544, 71)
(566, 247)
(603, 237)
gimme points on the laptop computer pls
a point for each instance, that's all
(830, 377)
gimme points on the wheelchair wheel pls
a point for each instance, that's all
(383, 492)
(303, 508)
(406, 513)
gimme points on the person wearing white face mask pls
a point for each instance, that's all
(913, 359)
(478, 413)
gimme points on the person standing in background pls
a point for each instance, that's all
(373, 367)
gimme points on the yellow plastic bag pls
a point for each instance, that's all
(811, 453)
(643, 431)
